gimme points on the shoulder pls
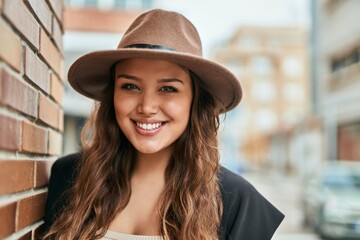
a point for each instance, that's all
(63, 172)
(62, 176)
(232, 183)
(245, 210)
(66, 165)
(235, 190)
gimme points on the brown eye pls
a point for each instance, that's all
(168, 89)
(130, 87)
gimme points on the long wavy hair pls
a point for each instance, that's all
(190, 205)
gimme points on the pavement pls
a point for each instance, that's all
(284, 192)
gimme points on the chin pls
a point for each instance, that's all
(147, 150)
(154, 148)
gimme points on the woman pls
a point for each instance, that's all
(149, 168)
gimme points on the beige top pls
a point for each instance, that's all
(110, 235)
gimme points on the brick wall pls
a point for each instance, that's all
(31, 115)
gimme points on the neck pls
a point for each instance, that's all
(152, 164)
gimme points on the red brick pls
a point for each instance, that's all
(10, 47)
(34, 138)
(55, 143)
(61, 120)
(48, 111)
(50, 53)
(16, 176)
(10, 133)
(42, 172)
(7, 220)
(57, 89)
(19, 15)
(61, 74)
(36, 70)
(17, 94)
(43, 12)
(57, 34)
(58, 8)
(26, 236)
(30, 210)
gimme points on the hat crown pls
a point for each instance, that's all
(163, 28)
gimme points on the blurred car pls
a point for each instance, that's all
(331, 201)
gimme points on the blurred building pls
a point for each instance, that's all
(91, 25)
(271, 63)
(336, 40)
(331, 131)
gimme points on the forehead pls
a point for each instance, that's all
(153, 66)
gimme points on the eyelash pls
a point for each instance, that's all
(129, 87)
(169, 89)
(133, 87)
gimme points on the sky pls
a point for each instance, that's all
(217, 20)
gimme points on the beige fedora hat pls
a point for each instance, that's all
(163, 35)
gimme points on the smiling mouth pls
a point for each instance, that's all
(149, 126)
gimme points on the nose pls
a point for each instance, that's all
(148, 104)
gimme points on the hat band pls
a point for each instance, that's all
(149, 46)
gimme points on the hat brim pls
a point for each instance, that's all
(90, 74)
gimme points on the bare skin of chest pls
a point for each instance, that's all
(140, 216)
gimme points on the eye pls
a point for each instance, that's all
(168, 89)
(130, 87)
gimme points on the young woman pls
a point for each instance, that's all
(149, 168)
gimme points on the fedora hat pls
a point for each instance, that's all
(162, 35)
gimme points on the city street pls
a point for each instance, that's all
(285, 193)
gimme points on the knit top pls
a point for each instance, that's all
(110, 235)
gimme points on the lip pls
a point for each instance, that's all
(148, 132)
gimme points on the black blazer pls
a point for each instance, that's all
(247, 215)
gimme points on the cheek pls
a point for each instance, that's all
(122, 105)
(118, 110)
(179, 108)
(122, 110)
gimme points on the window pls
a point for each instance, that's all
(263, 91)
(110, 4)
(262, 65)
(292, 67)
(248, 42)
(266, 119)
(105, 4)
(75, 3)
(133, 4)
(92, 3)
(120, 3)
(338, 63)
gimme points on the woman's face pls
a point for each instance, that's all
(152, 100)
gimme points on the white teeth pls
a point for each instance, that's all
(148, 126)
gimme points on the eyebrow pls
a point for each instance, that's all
(164, 80)
(128, 77)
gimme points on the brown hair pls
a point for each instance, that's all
(190, 206)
